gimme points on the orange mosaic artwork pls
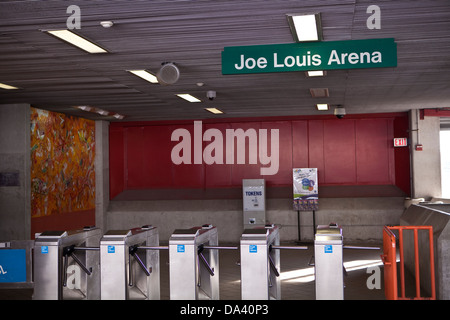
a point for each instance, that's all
(62, 163)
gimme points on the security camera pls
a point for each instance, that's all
(210, 94)
(339, 112)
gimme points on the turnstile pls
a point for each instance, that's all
(130, 264)
(328, 264)
(194, 264)
(66, 265)
(260, 263)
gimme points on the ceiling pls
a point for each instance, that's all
(56, 76)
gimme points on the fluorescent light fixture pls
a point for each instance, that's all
(322, 106)
(7, 87)
(305, 27)
(188, 97)
(214, 110)
(144, 74)
(77, 41)
(318, 73)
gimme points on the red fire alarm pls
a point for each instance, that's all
(419, 147)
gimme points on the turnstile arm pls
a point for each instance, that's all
(361, 248)
(69, 251)
(155, 248)
(290, 247)
(204, 261)
(220, 248)
(133, 252)
(273, 267)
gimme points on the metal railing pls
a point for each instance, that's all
(389, 258)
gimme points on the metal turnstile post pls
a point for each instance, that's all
(66, 265)
(130, 264)
(329, 261)
(260, 263)
(328, 264)
(194, 264)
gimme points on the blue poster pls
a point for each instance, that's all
(13, 265)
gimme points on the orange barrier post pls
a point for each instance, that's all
(390, 264)
(389, 258)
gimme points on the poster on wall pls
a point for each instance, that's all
(306, 189)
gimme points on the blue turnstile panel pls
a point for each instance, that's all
(13, 266)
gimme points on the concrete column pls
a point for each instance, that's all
(15, 188)
(426, 164)
(101, 173)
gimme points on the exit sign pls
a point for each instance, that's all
(400, 142)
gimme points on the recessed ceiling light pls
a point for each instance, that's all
(118, 116)
(100, 111)
(214, 110)
(77, 41)
(305, 27)
(106, 24)
(144, 74)
(322, 106)
(188, 97)
(7, 87)
(84, 108)
(319, 92)
(318, 73)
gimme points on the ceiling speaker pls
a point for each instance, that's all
(168, 74)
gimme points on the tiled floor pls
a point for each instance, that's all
(297, 277)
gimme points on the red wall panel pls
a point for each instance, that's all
(339, 151)
(187, 175)
(116, 161)
(284, 151)
(351, 151)
(373, 151)
(134, 158)
(300, 144)
(401, 155)
(157, 173)
(245, 170)
(218, 175)
(316, 148)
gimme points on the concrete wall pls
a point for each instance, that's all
(15, 158)
(437, 216)
(361, 218)
(426, 164)
(101, 173)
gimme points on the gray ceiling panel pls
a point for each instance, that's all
(56, 76)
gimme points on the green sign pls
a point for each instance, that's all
(330, 55)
